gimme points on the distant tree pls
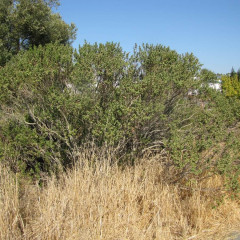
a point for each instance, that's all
(232, 72)
(231, 85)
(28, 23)
(208, 76)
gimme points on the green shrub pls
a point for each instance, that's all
(54, 102)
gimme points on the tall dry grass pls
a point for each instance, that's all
(103, 201)
(11, 225)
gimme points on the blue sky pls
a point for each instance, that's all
(210, 29)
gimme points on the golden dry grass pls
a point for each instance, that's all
(106, 202)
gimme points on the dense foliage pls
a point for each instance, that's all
(231, 84)
(28, 23)
(55, 101)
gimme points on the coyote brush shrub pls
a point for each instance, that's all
(55, 101)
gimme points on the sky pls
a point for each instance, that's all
(210, 29)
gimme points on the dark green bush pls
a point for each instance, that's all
(54, 102)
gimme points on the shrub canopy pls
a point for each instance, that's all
(55, 100)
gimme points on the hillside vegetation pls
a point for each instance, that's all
(144, 133)
(55, 102)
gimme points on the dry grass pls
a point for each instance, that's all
(10, 219)
(106, 202)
